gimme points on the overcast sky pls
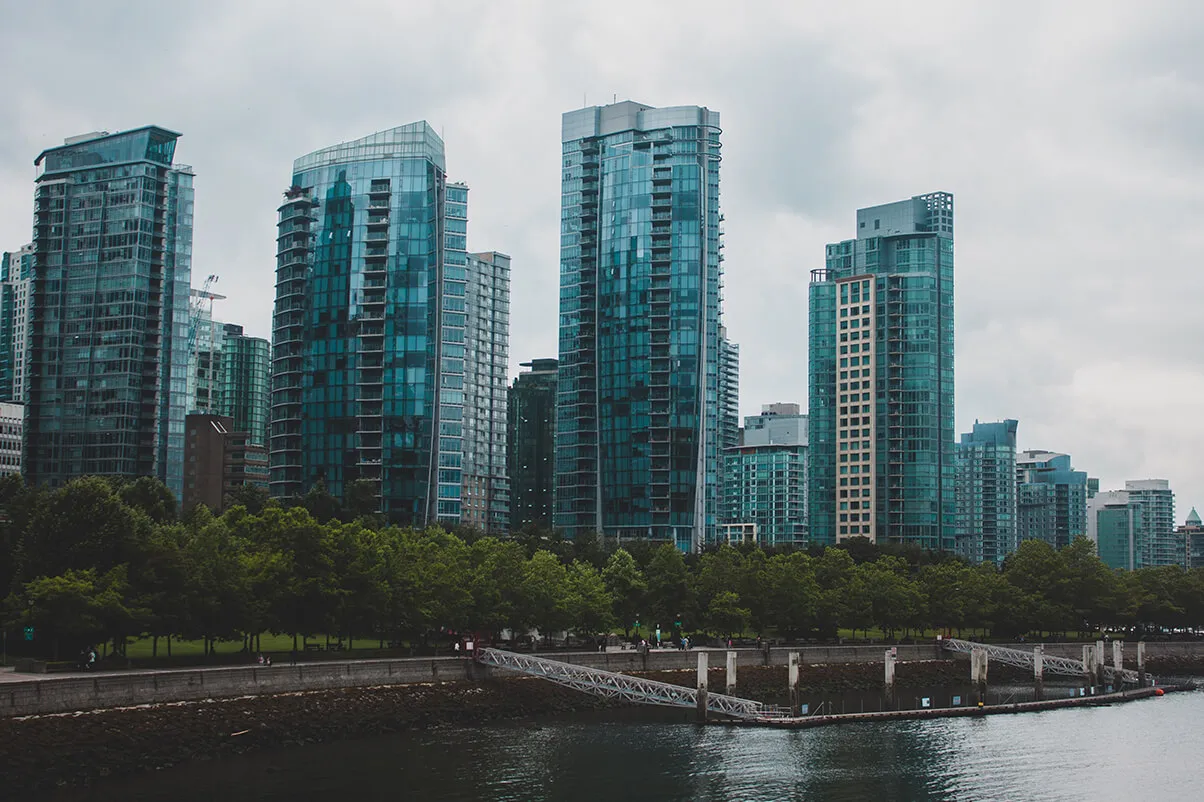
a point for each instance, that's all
(1070, 134)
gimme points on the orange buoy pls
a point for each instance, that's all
(1159, 692)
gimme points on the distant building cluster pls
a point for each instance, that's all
(387, 368)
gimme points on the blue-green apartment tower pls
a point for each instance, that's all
(638, 428)
(881, 379)
(1051, 498)
(986, 492)
(370, 350)
(108, 323)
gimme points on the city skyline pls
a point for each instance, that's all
(1051, 278)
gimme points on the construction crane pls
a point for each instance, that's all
(199, 302)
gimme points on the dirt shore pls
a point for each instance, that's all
(40, 752)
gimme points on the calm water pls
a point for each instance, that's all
(1147, 750)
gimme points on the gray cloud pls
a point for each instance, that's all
(1071, 136)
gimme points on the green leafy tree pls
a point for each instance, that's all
(362, 586)
(944, 591)
(626, 586)
(1038, 571)
(724, 614)
(793, 594)
(152, 497)
(77, 608)
(718, 571)
(668, 582)
(361, 500)
(496, 583)
(252, 498)
(546, 594)
(841, 602)
(589, 602)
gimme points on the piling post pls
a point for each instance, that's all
(1101, 658)
(1118, 663)
(792, 681)
(1039, 670)
(978, 672)
(731, 673)
(1141, 663)
(1088, 663)
(702, 687)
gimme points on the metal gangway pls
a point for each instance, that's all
(1024, 659)
(610, 685)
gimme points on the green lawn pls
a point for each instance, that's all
(268, 643)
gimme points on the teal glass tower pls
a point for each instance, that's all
(1051, 498)
(638, 404)
(881, 379)
(246, 374)
(766, 479)
(371, 349)
(986, 492)
(108, 332)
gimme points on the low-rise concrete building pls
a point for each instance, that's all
(12, 423)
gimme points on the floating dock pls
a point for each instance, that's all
(804, 722)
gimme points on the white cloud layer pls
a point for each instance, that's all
(1070, 134)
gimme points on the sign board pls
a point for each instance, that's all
(926, 701)
(957, 700)
(28, 633)
(804, 710)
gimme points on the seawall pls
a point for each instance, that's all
(53, 694)
(42, 694)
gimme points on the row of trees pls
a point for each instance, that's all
(98, 560)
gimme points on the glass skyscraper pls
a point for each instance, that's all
(531, 443)
(638, 407)
(371, 355)
(881, 379)
(246, 374)
(1051, 498)
(986, 492)
(108, 331)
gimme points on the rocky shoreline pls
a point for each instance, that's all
(43, 752)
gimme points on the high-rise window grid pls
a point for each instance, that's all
(107, 356)
(373, 363)
(889, 356)
(639, 395)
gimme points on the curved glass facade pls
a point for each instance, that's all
(368, 353)
(637, 452)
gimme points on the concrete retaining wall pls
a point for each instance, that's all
(67, 694)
